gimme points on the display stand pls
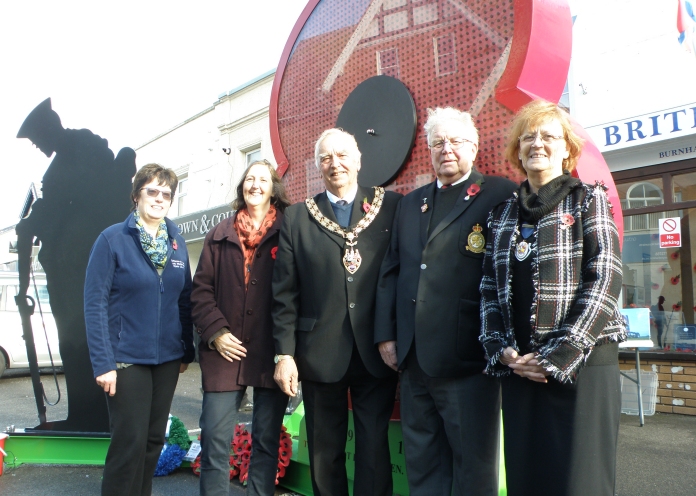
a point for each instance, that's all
(637, 345)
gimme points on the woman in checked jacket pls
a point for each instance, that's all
(550, 317)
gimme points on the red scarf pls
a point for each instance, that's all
(251, 237)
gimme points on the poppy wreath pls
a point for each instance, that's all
(240, 454)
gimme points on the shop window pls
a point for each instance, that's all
(662, 280)
(640, 195)
(643, 194)
(659, 282)
(684, 187)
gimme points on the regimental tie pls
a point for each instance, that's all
(351, 258)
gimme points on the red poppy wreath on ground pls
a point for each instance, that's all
(240, 454)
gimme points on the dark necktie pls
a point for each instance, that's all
(342, 203)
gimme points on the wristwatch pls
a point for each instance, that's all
(278, 358)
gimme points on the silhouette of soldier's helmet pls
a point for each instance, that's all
(43, 118)
(41, 125)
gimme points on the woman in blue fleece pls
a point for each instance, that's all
(139, 328)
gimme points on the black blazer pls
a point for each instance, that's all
(429, 285)
(319, 308)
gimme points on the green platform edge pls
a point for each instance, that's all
(59, 450)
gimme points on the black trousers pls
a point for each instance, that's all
(138, 414)
(326, 417)
(451, 432)
(560, 439)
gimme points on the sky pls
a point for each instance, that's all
(127, 70)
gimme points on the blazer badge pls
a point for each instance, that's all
(475, 241)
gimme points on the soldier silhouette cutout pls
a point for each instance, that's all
(85, 190)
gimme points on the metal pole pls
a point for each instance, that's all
(640, 389)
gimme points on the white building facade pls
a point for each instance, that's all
(209, 153)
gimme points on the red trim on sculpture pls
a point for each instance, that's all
(540, 53)
(277, 146)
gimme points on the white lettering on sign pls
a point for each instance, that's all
(670, 232)
(202, 225)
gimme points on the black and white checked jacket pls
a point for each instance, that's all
(577, 281)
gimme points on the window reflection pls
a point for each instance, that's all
(684, 187)
(659, 279)
(641, 194)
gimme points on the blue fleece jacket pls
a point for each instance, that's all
(133, 314)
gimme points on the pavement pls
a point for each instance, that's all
(658, 459)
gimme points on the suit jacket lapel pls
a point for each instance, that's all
(324, 205)
(428, 195)
(357, 213)
(461, 204)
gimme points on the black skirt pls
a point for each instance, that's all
(560, 440)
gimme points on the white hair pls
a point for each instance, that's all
(440, 116)
(330, 132)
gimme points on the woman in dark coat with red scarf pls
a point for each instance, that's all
(232, 301)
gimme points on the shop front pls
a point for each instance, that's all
(632, 89)
(659, 272)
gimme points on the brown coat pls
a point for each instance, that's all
(219, 300)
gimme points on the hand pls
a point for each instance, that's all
(388, 351)
(528, 366)
(183, 367)
(509, 356)
(286, 376)
(229, 347)
(108, 382)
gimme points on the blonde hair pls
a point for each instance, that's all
(529, 118)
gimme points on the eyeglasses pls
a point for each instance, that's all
(531, 138)
(154, 193)
(454, 143)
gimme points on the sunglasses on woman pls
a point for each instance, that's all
(153, 192)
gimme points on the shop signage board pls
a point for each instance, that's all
(195, 226)
(656, 126)
(670, 232)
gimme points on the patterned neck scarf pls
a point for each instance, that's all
(155, 248)
(251, 237)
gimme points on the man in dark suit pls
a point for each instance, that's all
(427, 317)
(324, 281)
